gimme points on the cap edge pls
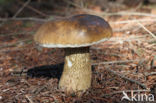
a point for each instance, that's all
(72, 45)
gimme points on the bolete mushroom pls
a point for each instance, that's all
(75, 34)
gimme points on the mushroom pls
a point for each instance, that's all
(75, 34)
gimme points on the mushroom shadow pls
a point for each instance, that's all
(46, 71)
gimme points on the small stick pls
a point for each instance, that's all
(149, 74)
(126, 78)
(35, 10)
(18, 33)
(147, 30)
(26, 18)
(13, 44)
(29, 99)
(26, 3)
(118, 92)
(128, 38)
(115, 62)
(130, 13)
(133, 21)
(20, 10)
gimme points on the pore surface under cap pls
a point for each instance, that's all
(76, 31)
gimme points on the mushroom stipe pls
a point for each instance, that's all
(77, 70)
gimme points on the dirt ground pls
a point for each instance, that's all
(126, 62)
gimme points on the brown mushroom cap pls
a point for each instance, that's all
(76, 31)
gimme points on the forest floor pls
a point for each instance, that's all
(126, 62)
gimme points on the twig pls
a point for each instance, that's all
(99, 98)
(142, 38)
(29, 99)
(127, 38)
(149, 74)
(121, 39)
(29, 18)
(115, 62)
(138, 6)
(7, 50)
(20, 10)
(118, 92)
(123, 13)
(133, 21)
(26, 18)
(126, 78)
(131, 27)
(39, 89)
(13, 44)
(130, 13)
(35, 10)
(17, 72)
(147, 30)
(18, 33)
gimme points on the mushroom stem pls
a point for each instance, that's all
(77, 70)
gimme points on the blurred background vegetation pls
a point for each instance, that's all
(43, 8)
